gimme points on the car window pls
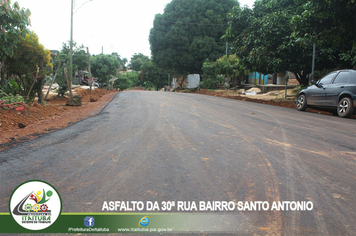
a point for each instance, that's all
(327, 79)
(342, 78)
(352, 78)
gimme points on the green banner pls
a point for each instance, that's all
(132, 223)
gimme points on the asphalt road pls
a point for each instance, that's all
(156, 146)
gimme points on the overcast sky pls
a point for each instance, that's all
(116, 25)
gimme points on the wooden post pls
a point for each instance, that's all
(89, 80)
(55, 74)
(68, 82)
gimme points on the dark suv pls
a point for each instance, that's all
(335, 92)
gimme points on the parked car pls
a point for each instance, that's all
(335, 92)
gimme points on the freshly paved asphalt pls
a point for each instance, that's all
(156, 146)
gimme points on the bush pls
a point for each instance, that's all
(123, 82)
(210, 84)
(11, 87)
(11, 98)
(63, 88)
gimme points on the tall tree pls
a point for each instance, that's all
(331, 25)
(189, 32)
(80, 57)
(231, 67)
(151, 73)
(104, 67)
(279, 35)
(13, 23)
(137, 60)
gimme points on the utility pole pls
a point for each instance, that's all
(226, 47)
(89, 69)
(313, 62)
(71, 42)
(71, 37)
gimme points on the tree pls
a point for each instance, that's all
(137, 60)
(29, 63)
(278, 35)
(118, 57)
(331, 26)
(231, 67)
(211, 79)
(123, 82)
(13, 23)
(264, 42)
(152, 74)
(104, 67)
(124, 62)
(189, 32)
(80, 57)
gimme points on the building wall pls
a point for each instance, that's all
(254, 78)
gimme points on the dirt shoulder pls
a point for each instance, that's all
(274, 98)
(41, 119)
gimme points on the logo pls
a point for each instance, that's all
(89, 221)
(144, 221)
(35, 205)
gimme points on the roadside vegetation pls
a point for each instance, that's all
(216, 39)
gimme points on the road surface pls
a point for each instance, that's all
(156, 146)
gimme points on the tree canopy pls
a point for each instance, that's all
(13, 22)
(104, 67)
(30, 58)
(278, 35)
(189, 32)
(79, 58)
(137, 60)
(152, 74)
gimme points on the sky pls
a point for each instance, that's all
(102, 25)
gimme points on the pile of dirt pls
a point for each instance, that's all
(39, 119)
(255, 90)
(93, 97)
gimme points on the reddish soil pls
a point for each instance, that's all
(41, 119)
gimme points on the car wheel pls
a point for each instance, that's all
(302, 102)
(345, 107)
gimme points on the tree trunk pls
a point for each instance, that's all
(68, 82)
(34, 81)
(302, 79)
(200, 76)
(40, 93)
(2, 69)
(235, 84)
(54, 78)
(42, 80)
